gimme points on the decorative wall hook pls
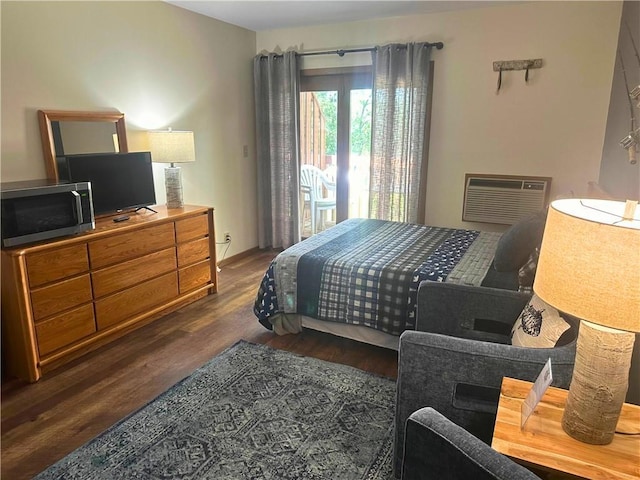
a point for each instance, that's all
(505, 65)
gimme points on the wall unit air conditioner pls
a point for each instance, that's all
(503, 199)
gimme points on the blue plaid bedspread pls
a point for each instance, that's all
(367, 272)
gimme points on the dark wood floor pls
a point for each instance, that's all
(44, 421)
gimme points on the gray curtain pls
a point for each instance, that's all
(400, 94)
(276, 85)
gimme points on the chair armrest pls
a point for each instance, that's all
(479, 313)
(461, 378)
(436, 448)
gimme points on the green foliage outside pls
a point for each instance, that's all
(329, 105)
(360, 120)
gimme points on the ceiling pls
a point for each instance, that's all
(274, 14)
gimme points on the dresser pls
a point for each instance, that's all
(66, 297)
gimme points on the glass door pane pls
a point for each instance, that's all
(359, 152)
(318, 150)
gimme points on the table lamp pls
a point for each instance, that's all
(589, 267)
(172, 147)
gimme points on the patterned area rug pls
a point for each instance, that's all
(252, 412)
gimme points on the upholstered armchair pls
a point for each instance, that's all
(438, 449)
(456, 362)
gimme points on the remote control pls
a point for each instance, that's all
(121, 218)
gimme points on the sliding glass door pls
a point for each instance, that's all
(335, 139)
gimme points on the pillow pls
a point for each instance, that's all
(539, 325)
(517, 243)
(527, 272)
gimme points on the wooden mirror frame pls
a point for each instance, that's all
(45, 117)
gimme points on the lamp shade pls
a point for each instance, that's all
(589, 263)
(172, 146)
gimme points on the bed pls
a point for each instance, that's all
(359, 279)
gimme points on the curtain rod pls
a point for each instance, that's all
(340, 53)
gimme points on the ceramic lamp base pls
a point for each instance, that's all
(599, 383)
(173, 187)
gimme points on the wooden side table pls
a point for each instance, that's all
(543, 445)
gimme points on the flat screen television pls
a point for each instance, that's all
(119, 181)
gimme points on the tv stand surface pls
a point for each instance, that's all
(145, 208)
(66, 297)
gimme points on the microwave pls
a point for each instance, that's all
(36, 210)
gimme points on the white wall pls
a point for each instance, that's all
(161, 66)
(553, 126)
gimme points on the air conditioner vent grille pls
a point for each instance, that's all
(503, 200)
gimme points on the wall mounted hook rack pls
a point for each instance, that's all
(506, 65)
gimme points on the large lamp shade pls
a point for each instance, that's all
(172, 146)
(589, 262)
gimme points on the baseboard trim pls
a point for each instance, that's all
(238, 256)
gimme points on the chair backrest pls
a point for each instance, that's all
(312, 179)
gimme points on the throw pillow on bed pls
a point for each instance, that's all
(539, 325)
(517, 243)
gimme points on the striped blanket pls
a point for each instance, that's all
(367, 272)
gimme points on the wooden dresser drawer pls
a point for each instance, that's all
(118, 248)
(56, 264)
(60, 296)
(64, 329)
(192, 228)
(192, 252)
(194, 276)
(122, 306)
(126, 274)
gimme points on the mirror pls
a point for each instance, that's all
(66, 132)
